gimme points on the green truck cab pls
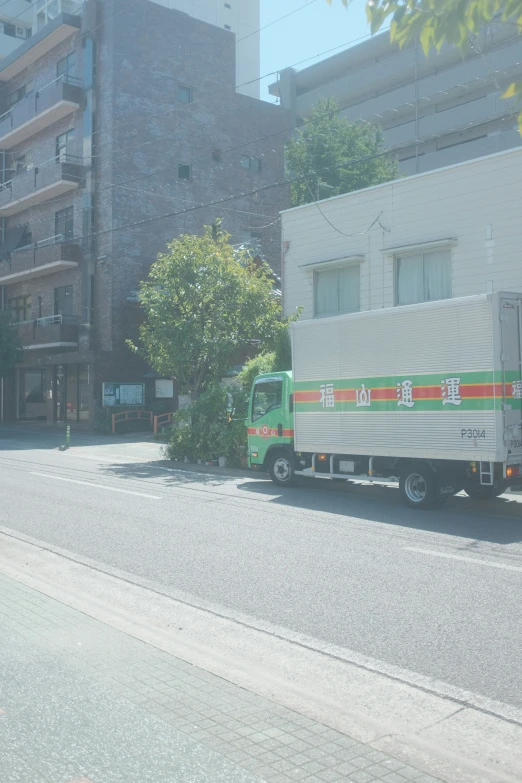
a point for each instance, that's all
(271, 425)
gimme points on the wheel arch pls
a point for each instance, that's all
(277, 448)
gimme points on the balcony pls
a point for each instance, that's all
(51, 33)
(40, 183)
(43, 258)
(38, 111)
(55, 331)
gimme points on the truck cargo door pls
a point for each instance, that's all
(511, 320)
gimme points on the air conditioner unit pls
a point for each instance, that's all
(21, 32)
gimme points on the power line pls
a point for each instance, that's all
(306, 5)
(263, 188)
(287, 181)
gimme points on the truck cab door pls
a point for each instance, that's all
(266, 425)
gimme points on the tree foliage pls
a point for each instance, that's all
(10, 345)
(319, 156)
(433, 22)
(204, 301)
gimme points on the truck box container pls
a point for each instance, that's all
(439, 381)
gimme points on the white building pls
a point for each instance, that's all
(446, 233)
(241, 17)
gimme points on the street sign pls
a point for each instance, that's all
(123, 394)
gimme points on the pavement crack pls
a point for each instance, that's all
(444, 718)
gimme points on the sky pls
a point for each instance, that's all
(313, 29)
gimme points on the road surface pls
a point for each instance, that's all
(436, 594)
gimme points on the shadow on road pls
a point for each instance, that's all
(498, 521)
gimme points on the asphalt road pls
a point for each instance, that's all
(436, 593)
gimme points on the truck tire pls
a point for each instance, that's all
(479, 492)
(419, 487)
(281, 469)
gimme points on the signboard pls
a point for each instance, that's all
(183, 401)
(164, 388)
(123, 394)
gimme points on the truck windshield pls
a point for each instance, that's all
(268, 395)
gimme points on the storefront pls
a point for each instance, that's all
(59, 393)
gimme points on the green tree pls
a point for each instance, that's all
(433, 22)
(318, 156)
(10, 346)
(204, 301)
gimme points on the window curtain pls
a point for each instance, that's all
(410, 283)
(326, 298)
(437, 275)
(350, 289)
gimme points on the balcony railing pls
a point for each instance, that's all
(37, 184)
(46, 257)
(38, 111)
(50, 333)
(47, 10)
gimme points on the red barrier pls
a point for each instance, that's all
(160, 419)
(130, 416)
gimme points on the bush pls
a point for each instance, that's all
(203, 430)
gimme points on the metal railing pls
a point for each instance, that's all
(64, 78)
(62, 157)
(52, 320)
(57, 239)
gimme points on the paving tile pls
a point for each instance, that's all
(394, 777)
(392, 765)
(330, 776)
(252, 734)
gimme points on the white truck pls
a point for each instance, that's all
(427, 395)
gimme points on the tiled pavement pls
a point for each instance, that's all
(84, 703)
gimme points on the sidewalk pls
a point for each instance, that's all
(81, 702)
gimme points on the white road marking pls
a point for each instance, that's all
(464, 559)
(95, 458)
(96, 486)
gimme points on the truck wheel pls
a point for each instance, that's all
(419, 487)
(281, 469)
(479, 492)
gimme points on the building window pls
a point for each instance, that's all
(63, 300)
(67, 65)
(26, 239)
(64, 223)
(22, 92)
(423, 277)
(20, 308)
(251, 164)
(34, 385)
(337, 291)
(64, 144)
(20, 164)
(184, 94)
(184, 171)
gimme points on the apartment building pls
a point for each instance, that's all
(445, 233)
(434, 111)
(242, 19)
(118, 124)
